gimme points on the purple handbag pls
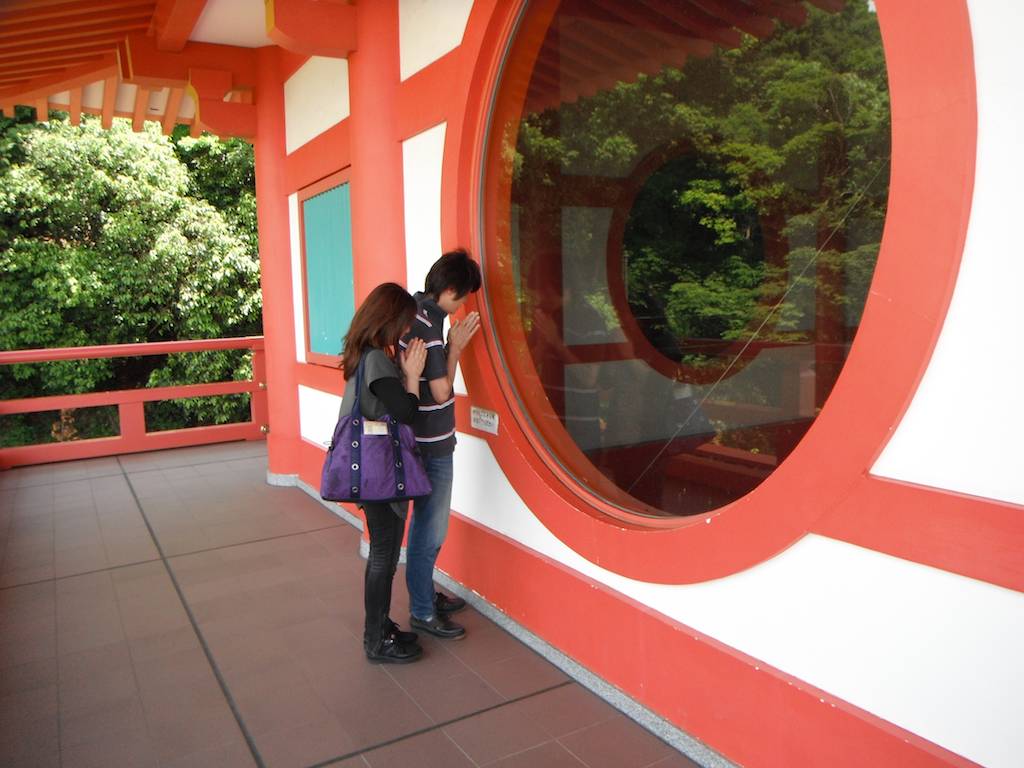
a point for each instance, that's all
(379, 467)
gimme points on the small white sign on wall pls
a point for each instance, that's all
(484, 420)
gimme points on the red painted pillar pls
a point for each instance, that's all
(378, 230)
(275, 269)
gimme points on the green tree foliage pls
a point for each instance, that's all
(111, 237)
(222, 173)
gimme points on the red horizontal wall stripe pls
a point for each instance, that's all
(425, 99)
(321, 377)
(319, 157)
(755, 714)
(979, 538)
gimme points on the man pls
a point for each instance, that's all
(449, 282)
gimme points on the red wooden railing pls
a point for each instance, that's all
(133, 436)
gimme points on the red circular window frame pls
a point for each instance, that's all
(933, 108)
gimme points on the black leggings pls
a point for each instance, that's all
(386, 530)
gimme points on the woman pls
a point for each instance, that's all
(391, 384)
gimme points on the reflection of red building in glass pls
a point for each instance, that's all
(796, 545)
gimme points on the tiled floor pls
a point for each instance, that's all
(171, 609)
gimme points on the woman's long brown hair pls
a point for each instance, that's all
(378, 323)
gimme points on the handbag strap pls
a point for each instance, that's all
(355, 432)
(355, 435)
(359, 387)
(396, 451)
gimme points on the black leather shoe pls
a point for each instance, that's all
(404, 638)
(390, 651)
(439, 626)
(445, 604)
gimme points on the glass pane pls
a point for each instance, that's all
(684, 220)
(330, 293)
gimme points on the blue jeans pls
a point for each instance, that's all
(426, 535)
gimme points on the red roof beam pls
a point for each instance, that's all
(65, 36)
(586, 10)
(639, 22)
(626, 65)
(740, 16)
(608, 44)
(134, 15)
(562, 62)
(25, 77)
(170, 118)
(313, 27)
(649, 27)
(173, 22)
(694, 20)
(832, 6)
(35, 50)
(71, 14)
(38, 11)
(545, 74)
(61, 61)
(141, 62)
(792, 13)
(109, 99)
(225, 118)
(613, 64)
(75, 107)
(65, 78)
(141, 107)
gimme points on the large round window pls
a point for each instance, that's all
(684, 209)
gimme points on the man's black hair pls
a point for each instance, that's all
(455, 270)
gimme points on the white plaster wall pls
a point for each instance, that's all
(963, 429)
(187, 110)
(316, 97)
(428, 29)
(318, 414)
(298, 298)
(92, 95)
(422, 156)
(935, 653)
(125, 100)
(233, 22)
(459, 385)
(158, 103)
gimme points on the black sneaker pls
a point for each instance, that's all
(404, 638)
(390, 651)
(445, 604)
(439, 626)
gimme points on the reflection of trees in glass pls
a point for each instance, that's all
(740, 198)
(693, 236)
(768, 149)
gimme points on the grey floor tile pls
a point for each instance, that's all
(102, 666)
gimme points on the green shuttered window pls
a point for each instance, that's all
(330, 294)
